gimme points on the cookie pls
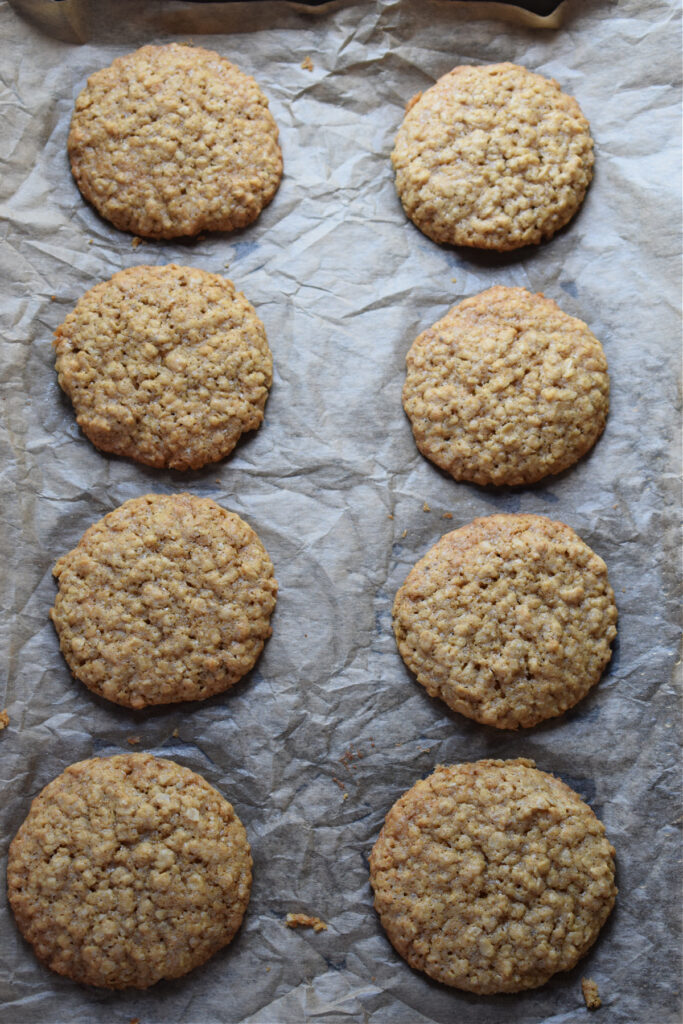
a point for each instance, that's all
(168, 598)
(173, 140)
(506, 388)
(494, 157)
(509, 620)
(492, 876)
(127, 870)
(167, 365)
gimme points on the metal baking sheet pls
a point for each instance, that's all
(315, 746)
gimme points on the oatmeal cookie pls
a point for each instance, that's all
(168, 598)
(506, 388)
(168, 365)
(127, 870)
(509, 620)
(492, 876)
(494, 157)
(173, 140)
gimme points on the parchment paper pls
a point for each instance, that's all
(336, 489)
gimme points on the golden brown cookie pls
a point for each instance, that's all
(492, 876)
(494, 157)
(173, 140)
(509, 620)
(127, 870)
(506, 388)
(168, 598)
(168, 365)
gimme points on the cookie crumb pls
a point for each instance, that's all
(4, 719)
(454, 280)
(349, 756)
(175, 734)
(307, 64)
(590, 993)
(268, 970)
(404, 535)
(447, 515)
(136, 242)
(426, 508)
(305, 921)
(53, 298)
(390, 516)
(134, 1020)
(133, 740)
(345, 796)
(339, 782)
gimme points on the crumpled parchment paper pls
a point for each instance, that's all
(315, 746)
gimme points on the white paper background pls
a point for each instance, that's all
(344, 283)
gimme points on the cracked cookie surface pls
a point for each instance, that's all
(166, 599)
(506, 388)
(127, 870)
(509, 620)
(494, 157)
(491, 876)
(173, 140)
(167, 365)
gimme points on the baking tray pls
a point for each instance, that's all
(320, 740)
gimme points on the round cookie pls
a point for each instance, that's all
(173, 140)
(168, 598)
(494, 157)
(509, 620)
(492, 876)
(168, 365)
(127, 870)
(506, 388)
